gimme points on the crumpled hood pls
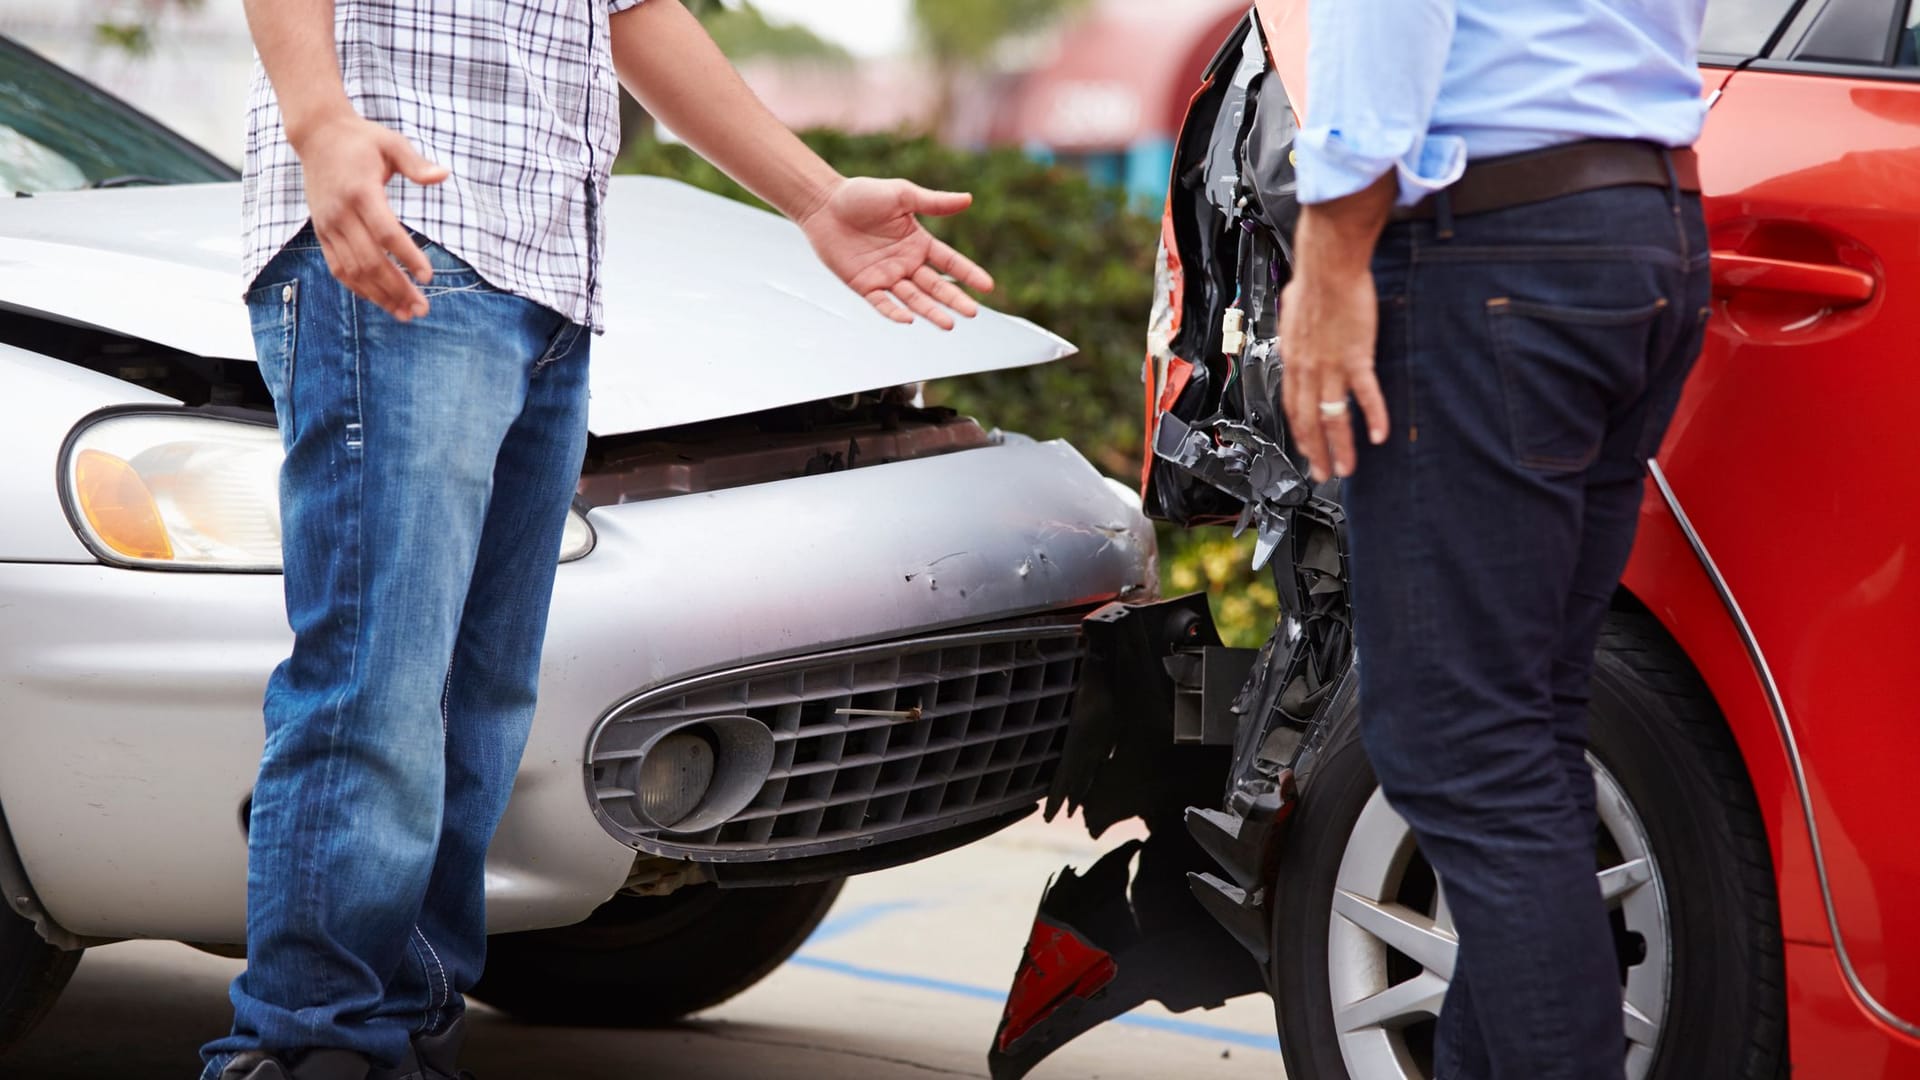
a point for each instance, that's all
(713, 308)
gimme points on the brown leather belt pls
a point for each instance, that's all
(1569, 169)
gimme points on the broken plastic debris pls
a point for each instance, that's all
(1245, 464)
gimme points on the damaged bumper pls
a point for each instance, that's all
(134, 698)
(1205, 744)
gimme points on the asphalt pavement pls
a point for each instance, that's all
(906, 978)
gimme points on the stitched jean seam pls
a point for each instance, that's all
(330, 774)
(436, 999)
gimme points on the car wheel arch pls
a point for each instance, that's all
(1667, 581)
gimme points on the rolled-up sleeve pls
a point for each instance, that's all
(1374, 70)
(615, 7)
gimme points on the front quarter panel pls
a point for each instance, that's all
(44, 399)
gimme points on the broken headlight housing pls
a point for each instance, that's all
(173, 490)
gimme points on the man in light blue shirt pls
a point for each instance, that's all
(1502, 261)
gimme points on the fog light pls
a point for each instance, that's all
(675, 776)
(689, 776)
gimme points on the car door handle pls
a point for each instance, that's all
(1841, 286)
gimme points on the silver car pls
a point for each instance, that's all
(845, 624)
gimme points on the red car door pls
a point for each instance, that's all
(1795, 453)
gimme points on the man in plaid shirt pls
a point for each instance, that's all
(423, 231)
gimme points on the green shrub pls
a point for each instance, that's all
(1074, 257)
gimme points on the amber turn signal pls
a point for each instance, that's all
(119, 507)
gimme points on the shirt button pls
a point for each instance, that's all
(286, 294)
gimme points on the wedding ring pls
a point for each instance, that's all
(1333, 410)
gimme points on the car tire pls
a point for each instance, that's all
(1659, 739)
(643, 961)
(32, 974)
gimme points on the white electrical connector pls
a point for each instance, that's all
(1233, 334)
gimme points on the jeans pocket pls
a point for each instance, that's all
(275, 311)
(1667, 383)
(451, 273)
(1561, 371)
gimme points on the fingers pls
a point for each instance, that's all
(388, 284)
(935, 203)
(1303, 414)
(1336, 427)
(412, 164)
(361, 264)
(945, 292)
(944, 258)
(1316, 435)
(1322, 418)
(923, 305)
(394, 240)
(882, 302)
(1373, 406)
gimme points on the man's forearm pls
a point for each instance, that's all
(295, 41)
(1335, 240)
(667, 61)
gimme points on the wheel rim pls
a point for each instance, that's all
(1391, 940)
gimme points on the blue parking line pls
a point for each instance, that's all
(1169, 1025)
(842, 923)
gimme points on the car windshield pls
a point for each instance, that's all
(58, 133)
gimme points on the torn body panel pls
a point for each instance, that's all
(1214, 770)
(1215, 435)
(1130, 929)
(1184, 917)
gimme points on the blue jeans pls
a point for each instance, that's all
(1531, 362)
(430, 466)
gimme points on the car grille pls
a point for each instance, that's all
(986, 719)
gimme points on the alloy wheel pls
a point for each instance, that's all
(1391, 939)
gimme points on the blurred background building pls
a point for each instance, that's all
(1098, 84)
(1101, 85)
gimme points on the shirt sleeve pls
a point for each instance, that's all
(615, 7)
(1374, 70)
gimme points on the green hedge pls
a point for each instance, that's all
(1073, 256)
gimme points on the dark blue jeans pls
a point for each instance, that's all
(429, 470)
(1531, 361)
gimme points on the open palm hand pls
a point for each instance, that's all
(868, 232)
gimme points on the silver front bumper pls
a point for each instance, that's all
(132, 698)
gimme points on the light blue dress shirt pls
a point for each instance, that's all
(1424, 86)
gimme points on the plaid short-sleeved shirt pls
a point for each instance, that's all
(517, 98)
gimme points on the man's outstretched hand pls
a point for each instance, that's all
(869, 233)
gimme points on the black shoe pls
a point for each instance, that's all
(314, 1065)
(439, 1053)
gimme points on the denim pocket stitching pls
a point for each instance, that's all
(1578, 315)
(474, 286)
(288, 298)
(1500, 314)
(1661, 416)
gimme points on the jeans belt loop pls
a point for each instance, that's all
(1443, 214)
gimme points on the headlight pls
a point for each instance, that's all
(578, 539)
(182, 492)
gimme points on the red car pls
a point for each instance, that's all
(1757, 699)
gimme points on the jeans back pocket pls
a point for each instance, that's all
(1563, 370)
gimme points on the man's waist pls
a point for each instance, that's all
(1509, 180)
